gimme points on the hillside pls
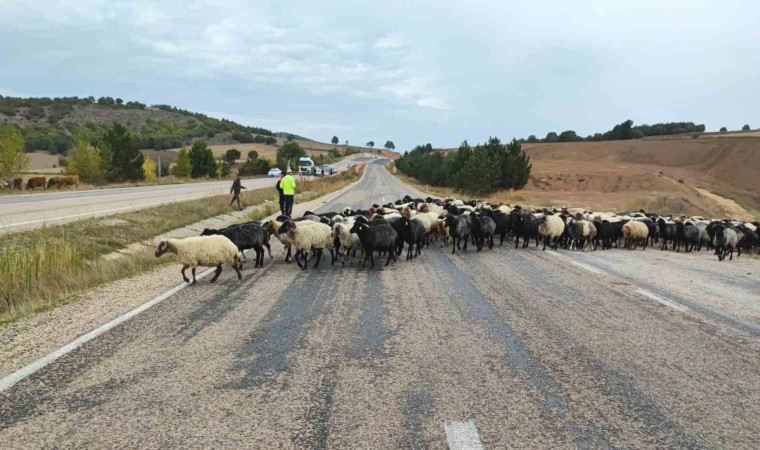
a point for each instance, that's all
(675, 173)
(48, 124)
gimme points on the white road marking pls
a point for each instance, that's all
(462, 436)
(584, 266)
(591, 269)
(662, 300)
(8, 382)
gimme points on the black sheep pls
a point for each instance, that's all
(483, 228)
(460, 229)
(413, 233)
(667, 232)
(246, 236)
(381, 238)
(502, 223)
(688, 235)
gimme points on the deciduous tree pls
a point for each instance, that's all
(13, 160)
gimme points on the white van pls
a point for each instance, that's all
(305, 165)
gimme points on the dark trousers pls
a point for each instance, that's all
(289, 204)
(282, 203)
(236, 197)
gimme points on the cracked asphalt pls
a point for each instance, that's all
(533, 347)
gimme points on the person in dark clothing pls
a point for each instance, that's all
(282, 194)
(235, 190)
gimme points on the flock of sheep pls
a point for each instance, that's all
(415, 222)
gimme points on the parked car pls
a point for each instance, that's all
(329, 169)
(274, 172)
(316, 171)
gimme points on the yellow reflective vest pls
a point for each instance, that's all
(288, 185)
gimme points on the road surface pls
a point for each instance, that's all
(503, 349)
(34, 210)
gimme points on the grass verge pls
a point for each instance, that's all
(45, 267)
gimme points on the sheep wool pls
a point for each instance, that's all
(201, 251)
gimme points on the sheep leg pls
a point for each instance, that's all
(287, 256)
(466, 238)
(305, 255)
(239, 275)
(364, 261)
(546, 238)
(217, 272)
(269, 249)
(371, 260)
(297, 257)
(184, 277)
(319, 257)
(193, 271)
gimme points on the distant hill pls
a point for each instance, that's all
(49, 124)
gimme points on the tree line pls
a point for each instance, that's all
(622, 131)
(480, 170)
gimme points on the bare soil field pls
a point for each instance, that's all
(43, 162)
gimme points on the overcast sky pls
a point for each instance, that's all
(413, 72)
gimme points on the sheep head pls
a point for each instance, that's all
(162, 248)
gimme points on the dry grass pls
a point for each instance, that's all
(42, 268)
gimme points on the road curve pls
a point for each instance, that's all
(511, 348)
(34, 210)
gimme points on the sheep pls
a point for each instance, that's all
(304, 238)
(583, 234)
(605, 232)
(550, 228)
(724, 241)
(483, 228)
(349, 241)
(246, 236)
(635, 232)
(524, 226)
(413, 233)
(460, 229)
(688, 234)
(667, 232)
(206, 251)
(440, 231)
(273, 227)
(380, 238)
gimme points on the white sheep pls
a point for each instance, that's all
(635, 232)
(304, 238)
(349, 241)
(551, 227)
(205, 251)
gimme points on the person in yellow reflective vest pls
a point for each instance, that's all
(288, 186)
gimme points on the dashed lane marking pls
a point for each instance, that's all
(10, 380)
(662, 300)
(462, 436)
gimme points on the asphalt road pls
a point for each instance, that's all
(508, 348)
(34, 210)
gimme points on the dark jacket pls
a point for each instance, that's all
(278, 187)
(236, 187)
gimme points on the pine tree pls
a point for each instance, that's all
(202, 162)
(126, 161)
